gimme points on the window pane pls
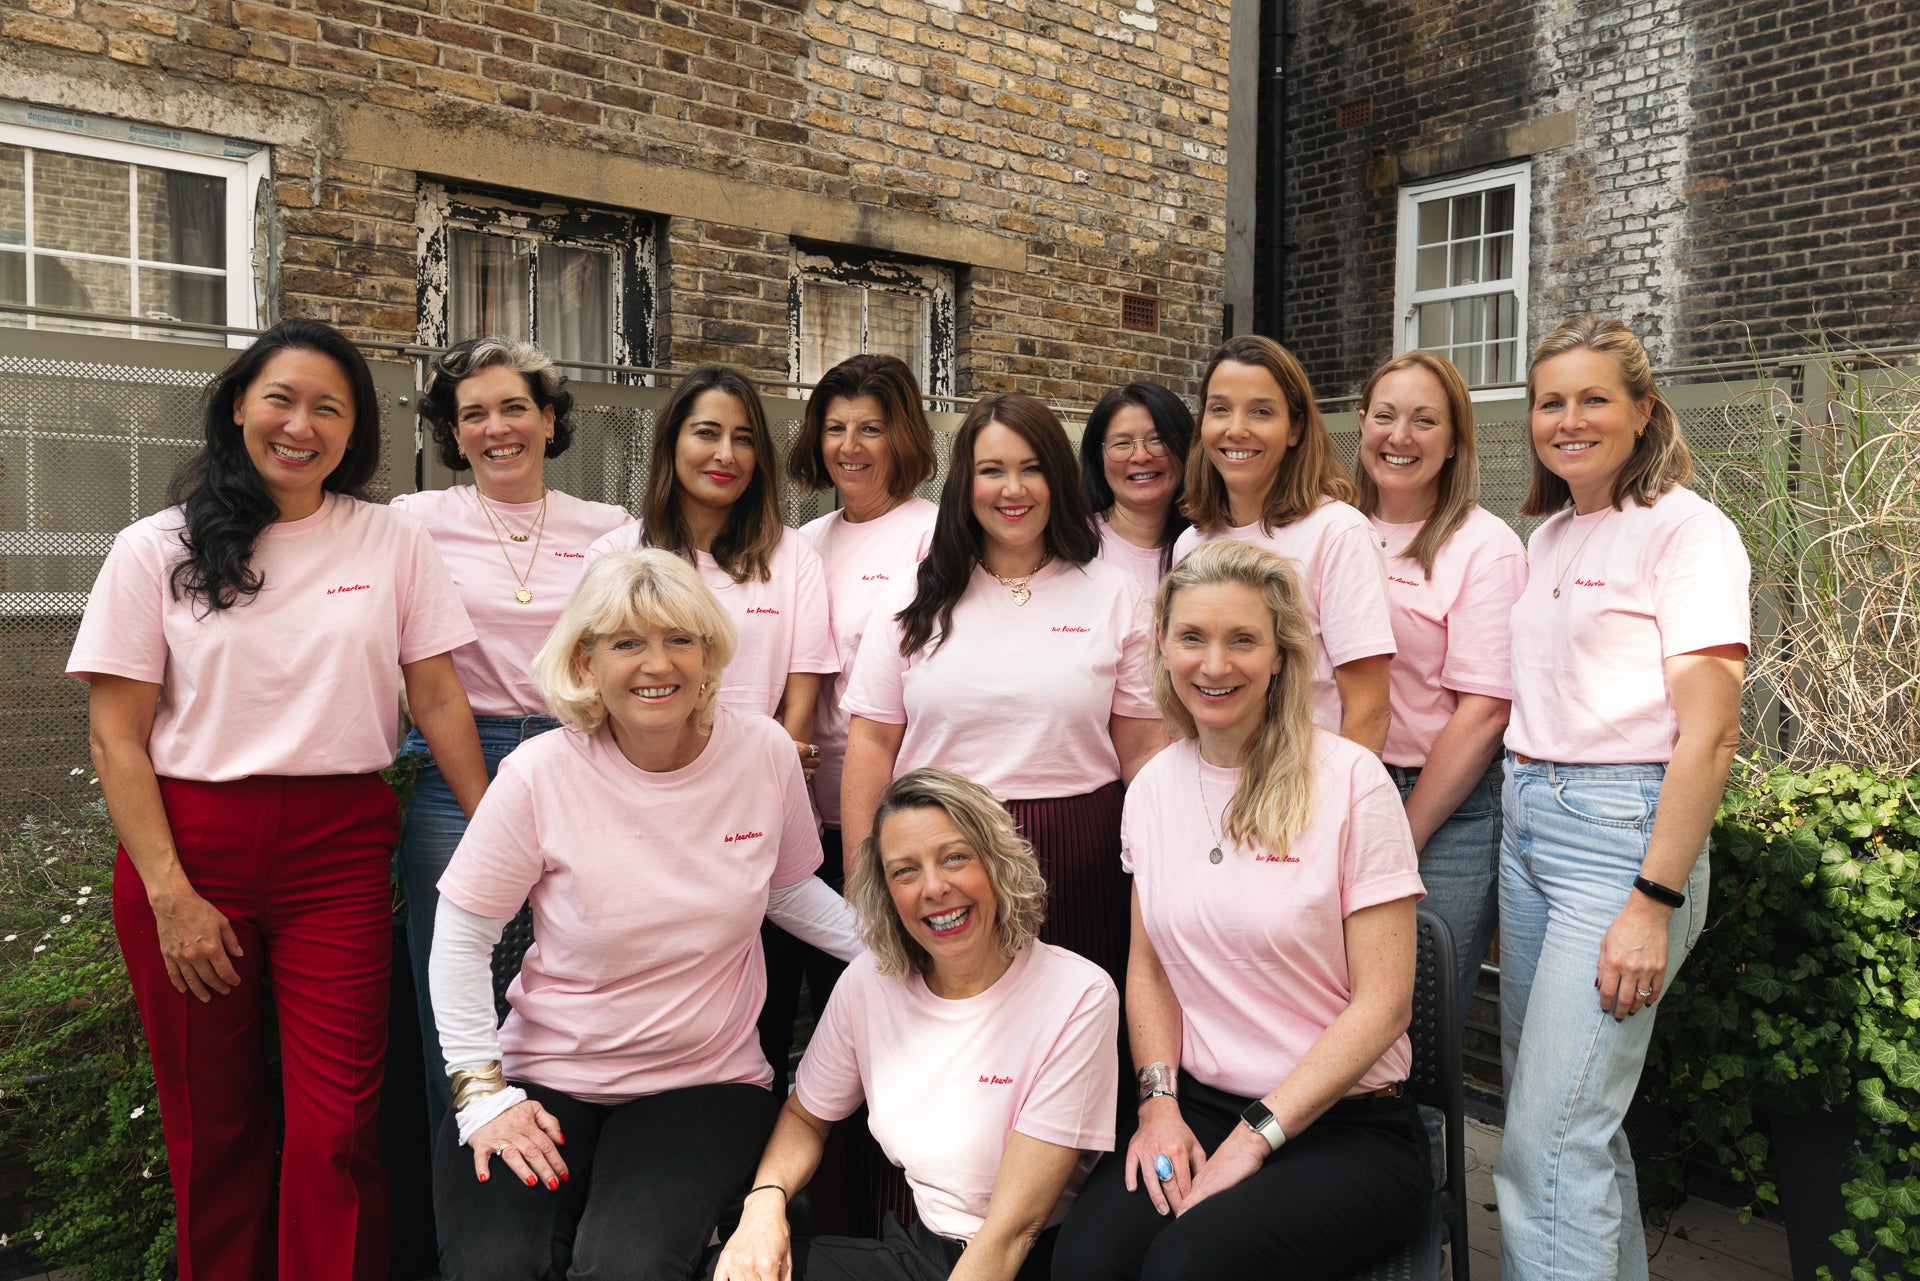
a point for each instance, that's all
(1500, 209)
(1433, 222)
(488, 281)
(1505, 361)
(576, 307)
(1469, 319)
(79, 203)
(13, 195)
(897, 326)
(829, 326)
(1430, 269)
(1466, 216)
(1507, 318)
(1433, 330)
(13, 285)
(1467, 361)
(182, 295)
(1499, 258)
(183, 218)
(74, 284)
(1466, 263)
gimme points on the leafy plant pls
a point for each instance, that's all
(1804, 993)
(76, 1086)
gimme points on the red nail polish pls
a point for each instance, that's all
(530, 1180)
(483, 1176)
(564, 1176)
(553, 1185)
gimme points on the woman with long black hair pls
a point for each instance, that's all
(1133, 461)
(246, 650)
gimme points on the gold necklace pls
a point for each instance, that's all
(521, 592)
(1560, 575)
(1017, 587)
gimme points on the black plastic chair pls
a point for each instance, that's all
(507, 954)
(1436, 1081)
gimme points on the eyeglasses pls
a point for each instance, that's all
(1119, 447)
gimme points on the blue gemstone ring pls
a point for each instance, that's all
(1163, 1167)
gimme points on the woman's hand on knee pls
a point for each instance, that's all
(526, 1137)
(1163, 1132)
(197, 943)
(761, 1248)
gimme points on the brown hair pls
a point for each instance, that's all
(745, 547)
(1459, 478)
(1311, 470)
(1659, 460)
(888, 380)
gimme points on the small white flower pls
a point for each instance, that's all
(86, 889)
(10, 938)
(66, 918)
(41, 948)
(147, 1173)
(49, 863)
(93, 782)
(81, 901)
(137, 1113)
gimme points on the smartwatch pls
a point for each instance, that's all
(1259, 1119)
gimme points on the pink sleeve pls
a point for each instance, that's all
(1479, 627)
(1354, 622)
(876, 690)
(122, 632)
(1701, 586)
(1072, 1102)
(828, 1082)
(813, 647)
(499, 859)
(800, 852)
(1133, 681)
(1379, 863)
(432, 619)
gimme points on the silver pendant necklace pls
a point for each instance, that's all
(1199, 776)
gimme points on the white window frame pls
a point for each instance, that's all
(245, 177)
(880, 271)
(1407, 298)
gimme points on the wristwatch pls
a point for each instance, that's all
(1259, 1119)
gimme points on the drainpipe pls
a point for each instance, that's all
(1276, 79)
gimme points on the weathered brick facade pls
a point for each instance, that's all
(1056, 153)
(1728, 175)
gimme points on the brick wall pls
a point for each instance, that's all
(1737, 171)
(1093, 132)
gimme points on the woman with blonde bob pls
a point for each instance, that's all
(1454, 570)
(1270, 980)
(651, 835)
(1629, 645)
(985, 1057)
(1266, 473)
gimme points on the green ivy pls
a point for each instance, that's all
(76, 1087)
(1804, 992)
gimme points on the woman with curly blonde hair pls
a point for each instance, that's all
(985, 1057)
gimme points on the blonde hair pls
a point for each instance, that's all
(1660, 459)
(1274, 798)
(1309, 474)
(627, 592)
(1459, 478)
(1019, 891)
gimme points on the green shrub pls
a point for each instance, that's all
(76, 1087)
(1805, 993)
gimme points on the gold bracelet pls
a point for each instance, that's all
(471, 1084)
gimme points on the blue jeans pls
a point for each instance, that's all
(1575, 836)
(429, 834)
(1460, 865)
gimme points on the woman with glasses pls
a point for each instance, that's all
(1133, 457)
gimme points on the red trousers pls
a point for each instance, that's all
(299, 866)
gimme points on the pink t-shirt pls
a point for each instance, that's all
(1343, 578)
(784, 623)
(1019, 697)
(497, 669)
(1255, 946)
(1637, 586)
(862, 561)
(648, 890)
(947, 1082)
(1142, 562)
(304, 678)
(1450, 631)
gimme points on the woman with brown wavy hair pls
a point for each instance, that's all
(1266, 474)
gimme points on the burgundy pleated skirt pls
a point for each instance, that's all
(1077, 842)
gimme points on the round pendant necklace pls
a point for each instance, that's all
(521, 591)
(1017, 587)
(1199, 776)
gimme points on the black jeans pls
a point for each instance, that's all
(1348, 1190)
(903, 1254)
(648, 1182)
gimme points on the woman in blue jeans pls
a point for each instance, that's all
(1454, 570)
(1628, 649)
(515, 550)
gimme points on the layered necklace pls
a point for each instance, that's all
(502, 535)
(1017, 587)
